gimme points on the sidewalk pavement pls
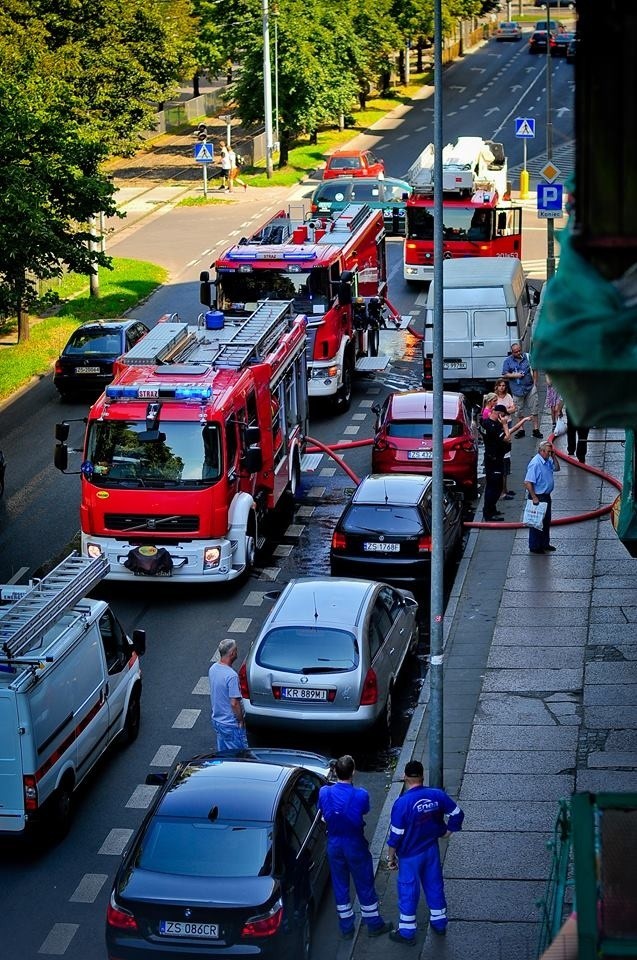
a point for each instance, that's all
(540, 688)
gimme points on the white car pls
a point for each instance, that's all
(508, 30)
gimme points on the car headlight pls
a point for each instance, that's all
(93, 550)
(211, 557)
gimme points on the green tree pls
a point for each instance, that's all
(50, 180)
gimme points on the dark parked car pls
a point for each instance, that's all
(86, 363)
(384, 533)
(230, 861)
(538, 41)
(561, 42)
(571, 51)
(386, 194)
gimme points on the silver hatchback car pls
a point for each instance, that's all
(328, 656)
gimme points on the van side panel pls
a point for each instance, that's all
(12, 815)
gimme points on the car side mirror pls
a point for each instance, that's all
(139, 642)
(61, 457)
(376, 408)
(62, 431)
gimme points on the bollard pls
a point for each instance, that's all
(524, 184)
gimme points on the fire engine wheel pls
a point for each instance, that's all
(373, 338)
(295, 478)
(344, 396)
(251, 553)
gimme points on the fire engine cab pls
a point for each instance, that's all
(193, 444)
(334, 270)
(478, 217)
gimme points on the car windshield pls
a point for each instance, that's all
(179, 453)
(95, 341)
(302, 649)
(239, 291)
(202, 848)
(460, 223)
(387, 519)
(421, 429)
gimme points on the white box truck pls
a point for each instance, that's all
(487, 306)
(70, 684)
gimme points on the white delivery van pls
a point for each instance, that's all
(487, 306)
(70, 683)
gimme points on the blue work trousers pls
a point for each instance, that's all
(413, 872)
(350, 857)
(230, 736)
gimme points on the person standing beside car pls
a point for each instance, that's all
(343, 808)
(523, 382)
(228, 718)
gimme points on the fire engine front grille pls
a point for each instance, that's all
(139, 523)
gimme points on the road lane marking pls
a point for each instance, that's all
(240, 625)
(88, 888)
(254, 599)
(141, 797)
(115, 842)
(317, 492)
(191, 263)
(305, 511)
(16, 576)
(59, 938)
(202, 687)
(269, 573)
(295, 530)
(166, 754)
(284, 549)
(186, 719)
(351, 431)
(359, 416)
(366, 403)
(327, 472)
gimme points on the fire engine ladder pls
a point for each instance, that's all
(28, 619)
(256, 336)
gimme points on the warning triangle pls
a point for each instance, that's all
(525, 130)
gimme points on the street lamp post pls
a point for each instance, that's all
(276, 73)
(550, 226)
(267, 89)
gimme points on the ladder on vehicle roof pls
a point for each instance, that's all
(28, 619)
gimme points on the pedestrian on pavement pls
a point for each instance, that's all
(554, 402)
(228, 718)
(226, 168)
(343, 807)
(234, 171)
(576, 440)
(497, 443)
(523, 382)
(539, 482)
(501, 390)
(419, 818)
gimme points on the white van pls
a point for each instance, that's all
(70, 683)
(487, 306)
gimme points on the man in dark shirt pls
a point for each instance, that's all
(497, 440)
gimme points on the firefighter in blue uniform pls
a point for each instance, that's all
(343, 807)
(419, 817)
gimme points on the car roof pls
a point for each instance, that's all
(356, 181)
(419, 404)
(347, 153)
(336, 601)
(107, 324)
(394, 488)
(240, 789)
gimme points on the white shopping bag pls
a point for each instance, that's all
(534, 514)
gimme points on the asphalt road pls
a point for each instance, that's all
(54, 902)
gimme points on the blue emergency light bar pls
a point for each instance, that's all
(164, 391)
(247, 255)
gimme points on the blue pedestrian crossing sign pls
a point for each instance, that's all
(525, 127)
(550, 200)
(204, 152)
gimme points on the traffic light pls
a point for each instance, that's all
(202, 132)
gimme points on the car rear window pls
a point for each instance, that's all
(331, 192)
(201, 848)
(366, 191)
(421, 429)
(344, 163)
(95, 341)
(308, 649)
(387, 519)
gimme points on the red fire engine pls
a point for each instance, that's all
(478, 218)
(334, 270)
(193, 444)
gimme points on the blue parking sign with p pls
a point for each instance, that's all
(550, 196)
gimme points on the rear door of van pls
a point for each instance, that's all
(12, 814)
(491, 332)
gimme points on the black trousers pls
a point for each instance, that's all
(576, 437)
(493, 471)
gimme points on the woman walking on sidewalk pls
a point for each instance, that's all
(234, 171)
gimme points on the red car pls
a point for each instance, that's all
(352, 163)
(403, 441)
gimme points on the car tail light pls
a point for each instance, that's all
(369, 695)
(119, 918)
(314, 207)
(424, 544)
(244, 687)
(265, 926)
(58, 367)
(380, 443)
(339, 541)
(467, 446)
(412, 246)
(427, 369)
(30, 793)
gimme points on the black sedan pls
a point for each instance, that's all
(384, 533)
(561, 42)
(379, 193)
(539, 39)
(86, 363)
(230, 861)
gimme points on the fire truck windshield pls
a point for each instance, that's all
(239, 291)
(182, 454)
(460, 223)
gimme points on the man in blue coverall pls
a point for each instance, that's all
(419, 817)
(343, 807)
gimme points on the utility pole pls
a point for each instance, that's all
(437, 528)
(267, 90)
(550, 226)
(93, 244)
